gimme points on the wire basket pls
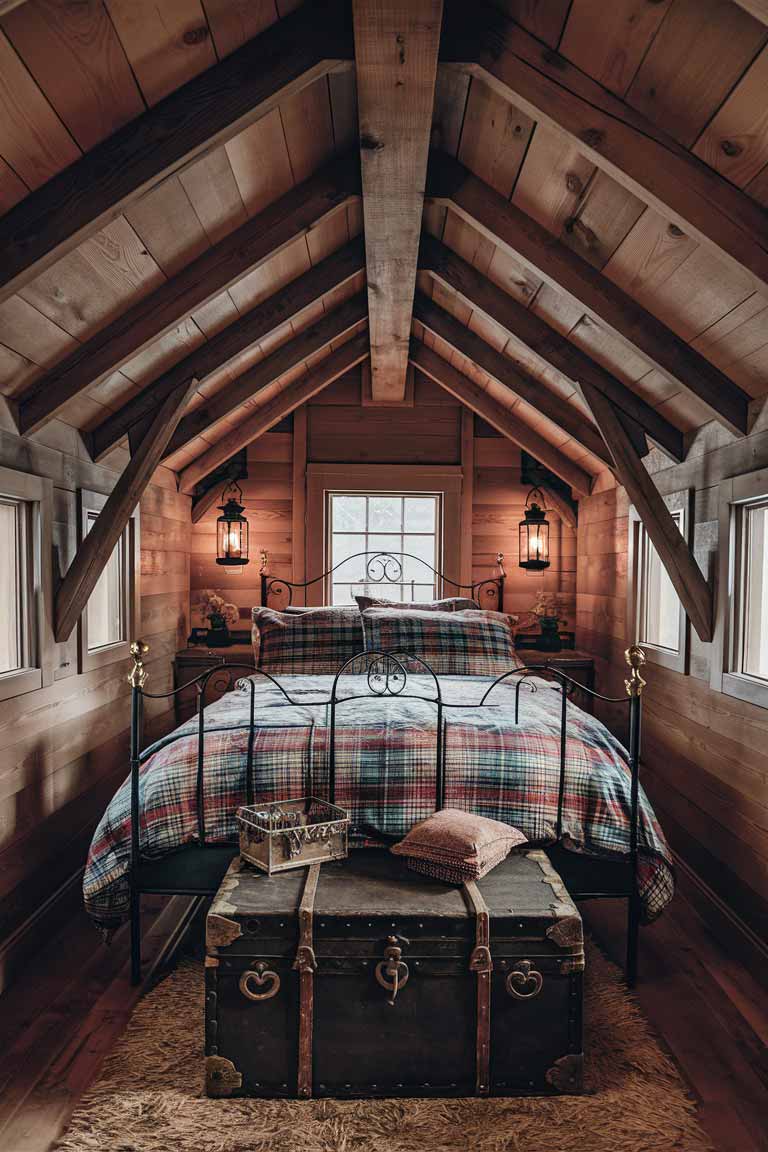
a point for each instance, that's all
(292, 834)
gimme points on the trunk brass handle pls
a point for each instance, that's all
(524, 982)
(392, 972)
(260, 976)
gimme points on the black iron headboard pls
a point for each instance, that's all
(382, 568)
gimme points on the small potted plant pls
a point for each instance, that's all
(220, 616)
(546, 608)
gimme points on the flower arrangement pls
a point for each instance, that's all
(217, 611)
(547, 607)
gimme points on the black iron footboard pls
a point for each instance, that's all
(386, 674)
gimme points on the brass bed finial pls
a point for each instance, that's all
(635, 658)
(500, 562)
(264, 561)
(138, 675)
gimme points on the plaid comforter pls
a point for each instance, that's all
(385, 774)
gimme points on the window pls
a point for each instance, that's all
(657, 621)
(107, 622)
(389, 522)
(25, 640)
(740, 649)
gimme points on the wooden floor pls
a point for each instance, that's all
(63, 1016)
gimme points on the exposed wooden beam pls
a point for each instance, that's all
(756, 8)
(208, 110)
(242, 333)
(504, 224)
(560, 505)
(307, 343)
(676, 556)
(94, 552)
(500, 418)
(244, 250)
(506, 372)
(205, 502)
(634, 151)
(266, 416)
(396, 43)
(535, 333)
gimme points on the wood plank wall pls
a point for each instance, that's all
(342, 429)
(64, 749)
(705, 754)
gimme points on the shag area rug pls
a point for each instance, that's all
(150, 1095)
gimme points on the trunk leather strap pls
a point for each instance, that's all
(481, 963)
(305, 964)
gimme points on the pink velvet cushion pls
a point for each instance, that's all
(454, 845)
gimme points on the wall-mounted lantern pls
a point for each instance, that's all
(232, 528)
(534, 533)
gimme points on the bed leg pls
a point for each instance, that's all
(135, 938)
(633, 938)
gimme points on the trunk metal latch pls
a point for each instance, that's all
(392, 972)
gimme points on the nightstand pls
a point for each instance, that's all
(193, 661)
(571, 662)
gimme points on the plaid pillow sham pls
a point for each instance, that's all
(472, 643)
(313, 643)
(449, 604)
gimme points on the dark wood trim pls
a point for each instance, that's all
(207, 501)
(553, 348)
(674, 552)
(511, 375)
(266, 416)
(91, 556)
(634, 151)
(396, 65)
(472, 396)
(242, 333)
(503, 223)
(308, 342)
(205, 112)
(241, 252)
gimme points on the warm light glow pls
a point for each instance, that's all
(232, 544)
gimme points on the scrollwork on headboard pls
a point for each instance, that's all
(381, 568)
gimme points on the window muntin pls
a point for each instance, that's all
(14, 620)
(391, 522)
(659, 615)
(751, 632)
(106, 608)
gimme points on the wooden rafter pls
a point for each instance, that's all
(265, 416)
(473, 396)
(511, 375)
(94, 552)
(205, 112)
(621, 141)
(247, 330)
(396, 43)
(506, 225)
(675, 554)
(307, 343)
(244, 250)
(537, 335)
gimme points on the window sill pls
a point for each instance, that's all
(745, 688)
(20, 682)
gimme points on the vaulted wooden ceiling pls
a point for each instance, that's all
(223, 206)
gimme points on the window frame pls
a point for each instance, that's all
(88, 503)
(444, 480)
(35, 493)
(734, 495)
(676, 659)
(381, 589)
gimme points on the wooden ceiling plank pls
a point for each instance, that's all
(567, 272)
(246, 331)
(265, 417)
(207, 111)
(545, 341)
(675, 554)
(618, 139)
(294, 352)
(510, 375)
(94, 552)
(472, 396)
(240, 252)
(396, 46)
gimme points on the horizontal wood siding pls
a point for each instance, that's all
(64, 748)
(705, 754)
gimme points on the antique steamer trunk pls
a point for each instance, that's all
(361, 978)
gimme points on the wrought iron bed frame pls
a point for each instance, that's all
(386, 675)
